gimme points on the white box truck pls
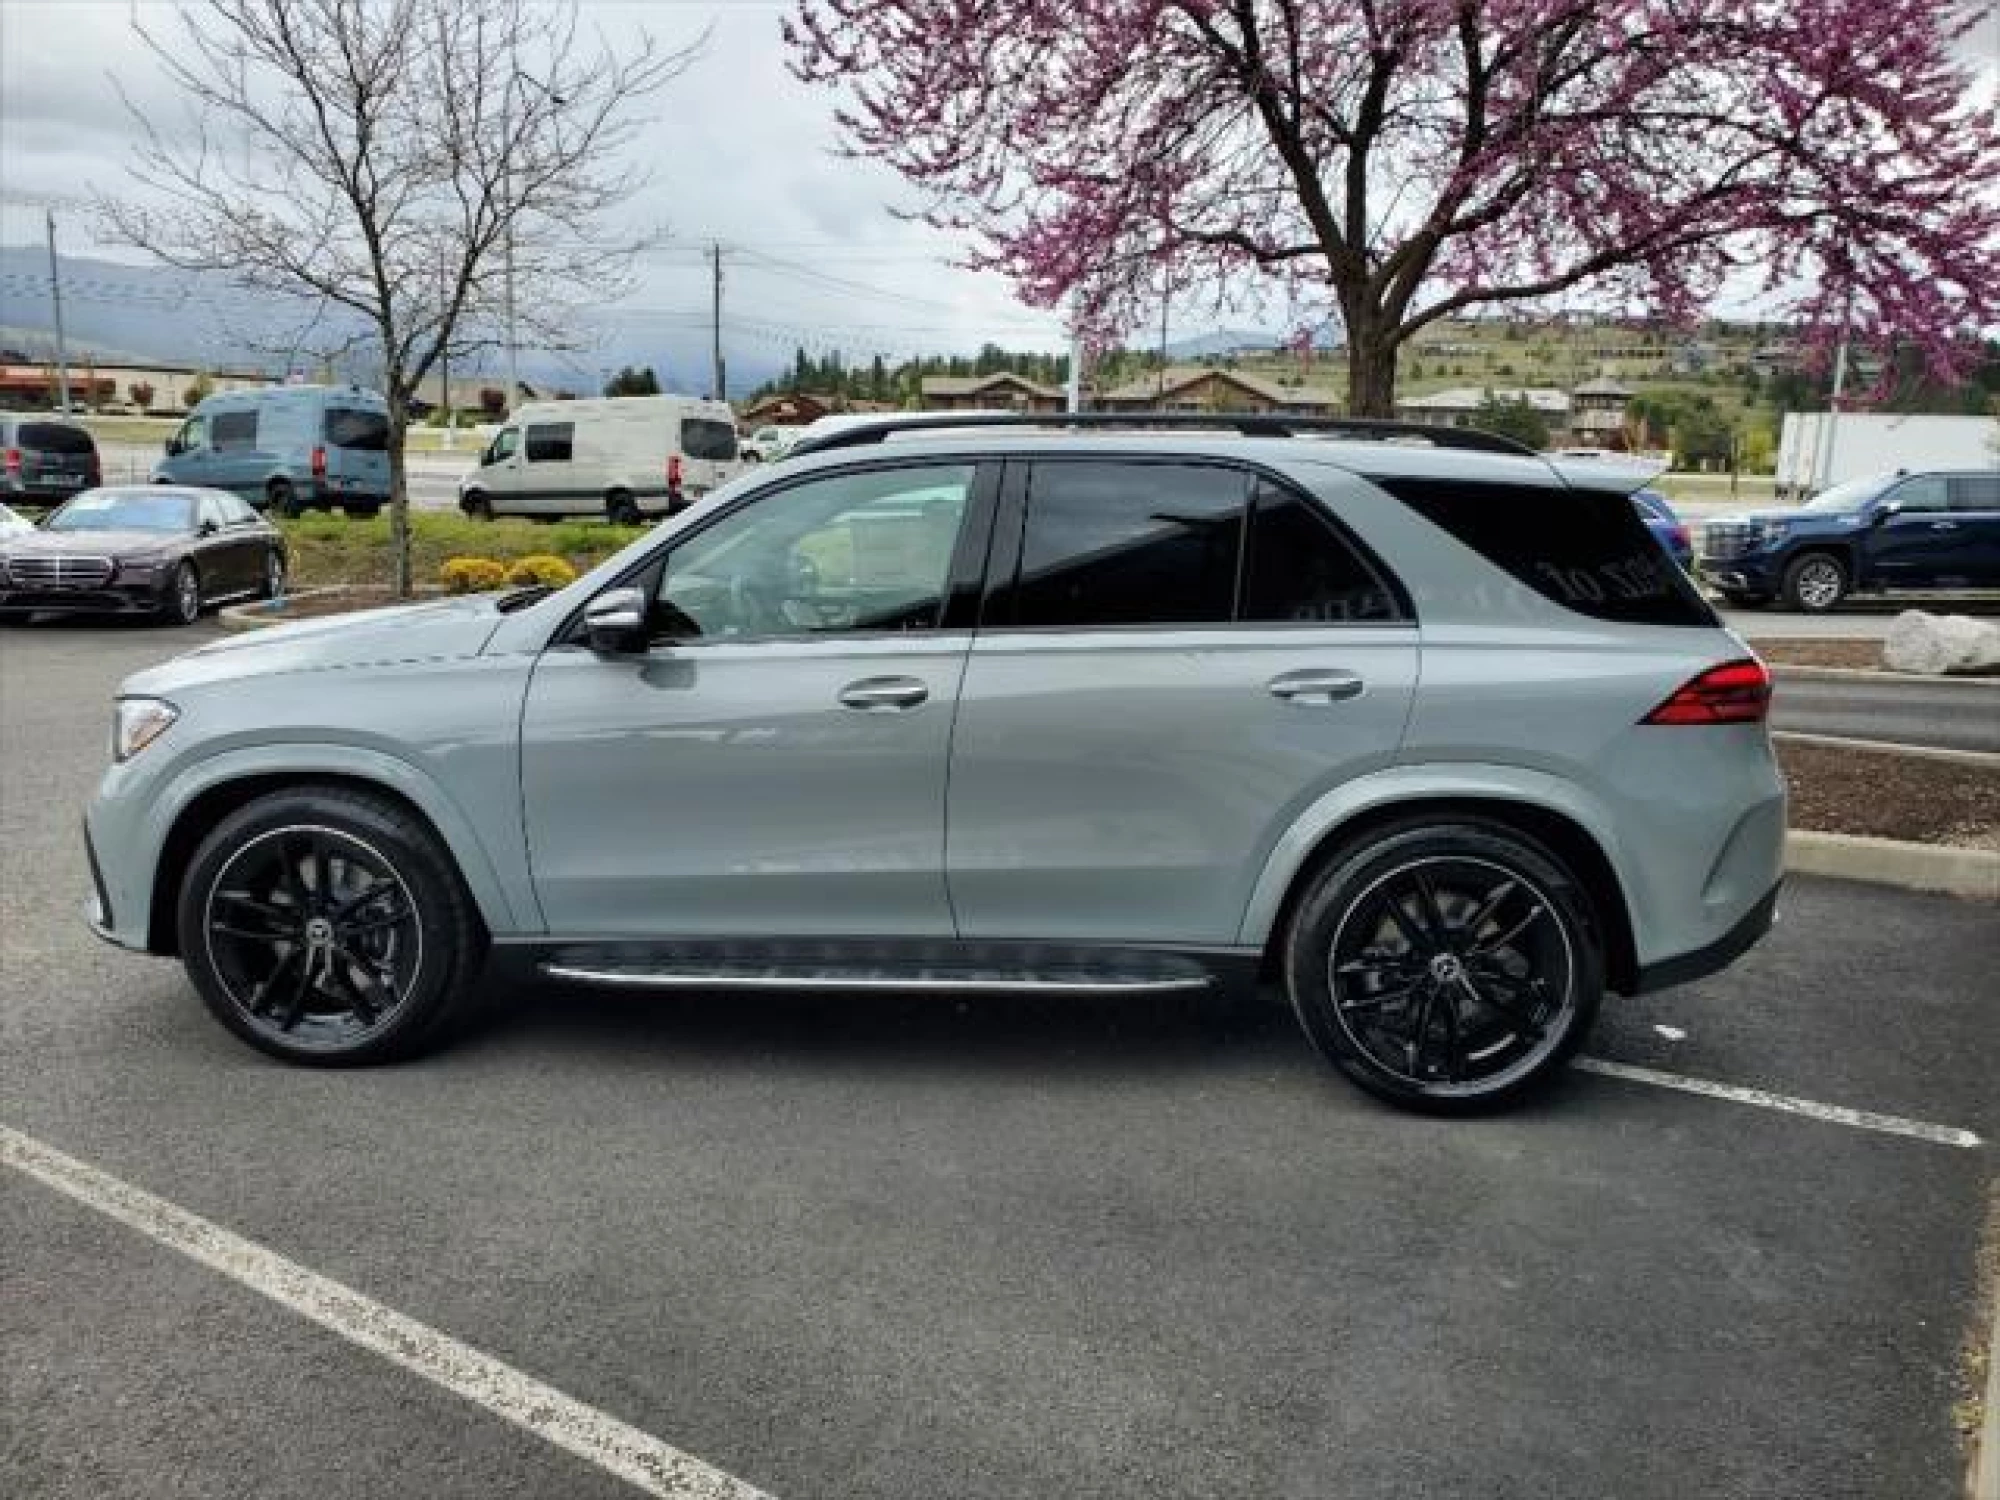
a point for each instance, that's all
(1866, 443)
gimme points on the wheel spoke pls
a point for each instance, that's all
(1506, 939)
(1504, 994)
(1378, 1000)
(1401, 920)
(295, 1006)
(1488, 909)
(322, 872)
(377, 888)
(1428, 911)
(393, 916)
(1413, 1042)
(1454, 1045)
(367, 987)
(270, 911)
(260, 995)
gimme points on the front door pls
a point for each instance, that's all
(1975, 506)
(774, 766)
(1919, 545)
(1185, 656)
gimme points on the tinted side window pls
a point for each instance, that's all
(1107, 543)
(229, 430)
(1302, 569)
(551, 442)
(237, 512)
(1975, 492)
(53, 437)
(1927, 493)
(353, 427)
(1584, 549)
(704, 438)
(210, 513)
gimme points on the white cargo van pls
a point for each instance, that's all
(622, 457)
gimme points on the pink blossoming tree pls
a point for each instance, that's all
(1405, 160)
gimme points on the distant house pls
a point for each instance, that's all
(112, 384)
(1459, 407)
(786, 409)
(1597, 412)
(1001, 392)
(1219, 391)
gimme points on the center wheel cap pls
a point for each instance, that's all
(319, 932)
(1446, 968)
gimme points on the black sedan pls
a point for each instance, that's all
(165, 551)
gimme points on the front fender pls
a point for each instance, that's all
(506, 902)
(1456, 781)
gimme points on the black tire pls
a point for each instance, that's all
(281, 498)
(330, 927)
(620, 509)
(1402, 991)
(182, 605)
(273, 584)
(1737, 600)
(476, 506)
(1815, 583)
(364, 512)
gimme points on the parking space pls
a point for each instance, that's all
(916, 1247)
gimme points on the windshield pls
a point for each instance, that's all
(1850, 496)
(124, 510)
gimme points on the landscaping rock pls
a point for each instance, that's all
(1934, 644)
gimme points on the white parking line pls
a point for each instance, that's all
(1836, 1114)
(643, 1461)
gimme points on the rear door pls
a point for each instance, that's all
(57, 459)
(1920, 545)
(218, 551)
(1975, 507)
(708, 453)
(1174, 660)
(356, 438)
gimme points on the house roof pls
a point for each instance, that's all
(961, 385)
(1466, 398)
(1151, 387)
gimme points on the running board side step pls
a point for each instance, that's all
(943, 979)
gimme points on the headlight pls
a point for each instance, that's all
(137, 722)
(139, 570)
(1770, 531)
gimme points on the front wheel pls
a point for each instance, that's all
(1446, 967)
(477, 507)
(328, 926)
(273, 585)
(1815, 583)
(183, 602)
(282, 498)
(620, 509)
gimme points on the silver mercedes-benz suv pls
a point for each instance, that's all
(1412, 720)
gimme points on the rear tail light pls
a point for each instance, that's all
(13, 460)
(319, 463)
(673, 471)
(1737, 692)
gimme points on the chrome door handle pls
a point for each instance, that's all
(877, 694)
(1944, 526)
(1315, 687)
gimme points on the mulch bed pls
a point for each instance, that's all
(1866, 655)
(1891, 796)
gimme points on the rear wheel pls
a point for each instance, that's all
(328, 926)
(1815, 583)
(1446, 967)
(273, 585)
(283, 499)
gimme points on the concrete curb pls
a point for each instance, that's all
(1986, 1457)
(1943, 868)
(1978, 760)
(1871, 674)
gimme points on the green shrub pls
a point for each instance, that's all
(473, 575)
(551, 572)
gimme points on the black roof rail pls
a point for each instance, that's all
(1245, 424)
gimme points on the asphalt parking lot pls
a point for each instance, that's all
(916, 1248)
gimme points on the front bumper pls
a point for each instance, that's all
(1746, 573)
(135, 598)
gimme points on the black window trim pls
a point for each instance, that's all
(962, 579)
(1003, 575)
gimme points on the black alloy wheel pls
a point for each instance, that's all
(620, 509)
(327, 926)
(1446, 968)
(281, 499)
(477, 507)
(273, 586)
(183, 602)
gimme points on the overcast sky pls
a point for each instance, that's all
(738, 151)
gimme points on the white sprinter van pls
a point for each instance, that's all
(622, 457)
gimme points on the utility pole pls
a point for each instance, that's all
(55, 295)
(1823, 460)
(444, 352)
(715, 320)
(1075, 402)
(1164, 297)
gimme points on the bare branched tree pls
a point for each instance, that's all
(390, 160)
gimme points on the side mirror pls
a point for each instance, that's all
(207, 528)
(616, 621)
(1886, 511)
(174, 446)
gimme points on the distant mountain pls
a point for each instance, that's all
(154, 313)
(1227, 341)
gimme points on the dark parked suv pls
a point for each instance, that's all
(1884, 533)
(44, 460)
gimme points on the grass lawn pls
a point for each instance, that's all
(333, 549)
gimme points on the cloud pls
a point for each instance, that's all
(736, 151)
